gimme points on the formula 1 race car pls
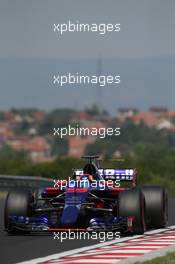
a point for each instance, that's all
(92, 199)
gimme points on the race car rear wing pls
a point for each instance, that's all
(117, 174)
(113, 174)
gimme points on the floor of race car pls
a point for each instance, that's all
(21, 248)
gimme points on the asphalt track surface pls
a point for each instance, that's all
(14, 249)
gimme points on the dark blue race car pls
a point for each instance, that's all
(93, 199)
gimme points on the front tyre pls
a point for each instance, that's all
(132, 203)
(156, 200)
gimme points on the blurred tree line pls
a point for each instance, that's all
(155, 165)
(149, 150)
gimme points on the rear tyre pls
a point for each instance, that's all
(156, 200)
(132, 203)
(18, 203)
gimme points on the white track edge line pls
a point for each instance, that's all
(78, 250)
(148, 256)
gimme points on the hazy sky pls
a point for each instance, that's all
(30, 52)
(147, 28)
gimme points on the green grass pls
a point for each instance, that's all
(168, 259)
(3, 194)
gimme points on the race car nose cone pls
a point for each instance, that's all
(70, 215)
